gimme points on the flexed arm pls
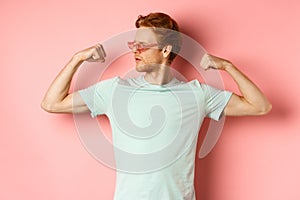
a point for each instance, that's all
(57, 98)
(252, 101)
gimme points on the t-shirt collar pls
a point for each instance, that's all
(172, 82)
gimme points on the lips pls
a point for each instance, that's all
(138, 59)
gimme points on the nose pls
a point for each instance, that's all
(135, 50)
(136, 54)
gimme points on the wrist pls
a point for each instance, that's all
(75, 62)
(78, 57)
(229, 66)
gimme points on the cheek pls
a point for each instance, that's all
(152, 57)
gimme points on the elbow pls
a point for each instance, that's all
(47, 107)
(269, 108)
(55, 107)
(266, 109)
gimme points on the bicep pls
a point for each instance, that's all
(238, 106)
(73, 103)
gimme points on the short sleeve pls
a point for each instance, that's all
(97, 97)
(215, 101)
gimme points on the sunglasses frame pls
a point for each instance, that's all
(140, 46)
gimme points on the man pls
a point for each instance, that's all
(171, 129)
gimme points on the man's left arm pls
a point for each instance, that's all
(251, 102)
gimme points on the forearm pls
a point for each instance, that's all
(59, 88)
(250, 92)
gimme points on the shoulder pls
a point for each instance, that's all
(108, 82)
(196, 84)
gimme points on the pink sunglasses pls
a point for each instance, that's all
(140, 46)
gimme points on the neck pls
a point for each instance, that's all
(159, 77)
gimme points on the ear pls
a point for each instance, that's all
(167, 50)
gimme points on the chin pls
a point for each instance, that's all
(140, 68)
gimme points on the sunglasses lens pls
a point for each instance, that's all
(131, 45)
(139, 47)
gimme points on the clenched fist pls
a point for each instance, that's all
(92, 54)
(212, 62)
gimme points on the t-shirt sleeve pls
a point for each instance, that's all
(97, 97)
(215, 101)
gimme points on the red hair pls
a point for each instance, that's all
(166, 29)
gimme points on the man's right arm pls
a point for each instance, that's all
(57, 98)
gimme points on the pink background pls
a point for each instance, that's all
(41, 154)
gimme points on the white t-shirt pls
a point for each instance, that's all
(154, 131)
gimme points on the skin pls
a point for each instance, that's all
(154, 62)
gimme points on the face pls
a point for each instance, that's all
(147, 55)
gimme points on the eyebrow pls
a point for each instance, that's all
(143, 42)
